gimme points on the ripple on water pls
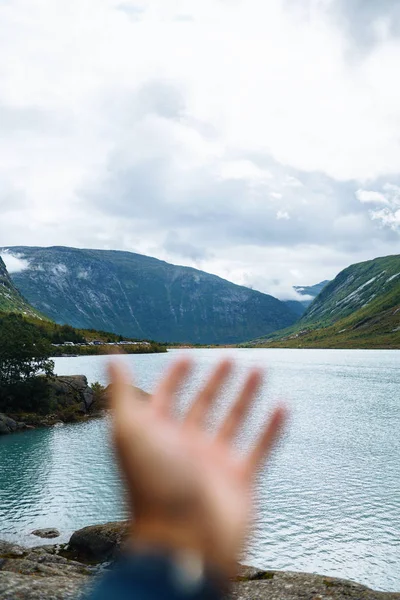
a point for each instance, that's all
(330, 502)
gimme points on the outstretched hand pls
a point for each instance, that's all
(188, 489)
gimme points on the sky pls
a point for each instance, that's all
(256, 140)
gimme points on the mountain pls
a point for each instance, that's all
(10, 298)
(358, 309)
(300, 306)
(17, 315)
(143, 297)
(373, 285)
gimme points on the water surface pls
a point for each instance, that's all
(330, 502)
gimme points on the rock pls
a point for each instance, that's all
(280, 585)
(54, 578)
(70, 390)
(7, 425)
(36, 574)
(46, 533)
(98, 543)
(248, 573)
(26, 587)
(41, 574)
(74, 401)
(42, 564)
(10, 550)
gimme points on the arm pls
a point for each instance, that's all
(190, 494)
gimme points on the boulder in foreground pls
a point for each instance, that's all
(98, 543)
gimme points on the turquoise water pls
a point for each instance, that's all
(330, 502)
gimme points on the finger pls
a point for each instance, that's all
(199, 409)
(121, 390)
(267, 440)
(238, 412)
(170, 383)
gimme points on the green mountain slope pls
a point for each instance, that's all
(143, 297)
(373, 285)
(14, 310)
(359, 309)
(10, 298)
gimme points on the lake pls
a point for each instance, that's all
(329, 503)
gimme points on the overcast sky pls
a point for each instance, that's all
(258, 140)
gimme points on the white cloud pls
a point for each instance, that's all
(388, 218)
(292, 182)
(14, 263)
(267, 270)
(390, 215)
(282, 215)
(244, 169)
(193, 130)
(366, 196)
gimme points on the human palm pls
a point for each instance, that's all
(189, 490)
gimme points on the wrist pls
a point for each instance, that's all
(165, 536)
(183, 543)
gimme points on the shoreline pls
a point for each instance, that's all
(77, 402)
(68, 398)
(64, 570)
(281, 347)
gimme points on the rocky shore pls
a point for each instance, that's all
(71, 398)
(62, 572)
(73, 401)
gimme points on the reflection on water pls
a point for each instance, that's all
(330, 502)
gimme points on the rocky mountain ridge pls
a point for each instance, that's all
(144, 297)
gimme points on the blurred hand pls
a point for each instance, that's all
(189, 490)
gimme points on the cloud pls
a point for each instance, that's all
(14, 263)
(365, 23)
(291, 181)
(133, 12)
(387, 217)
(367, 196)
(390, 215)
(369, 21)
(282, 214)
(244, 169)
(244, 138)
(175, 247)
